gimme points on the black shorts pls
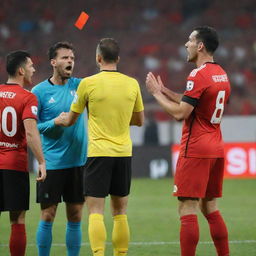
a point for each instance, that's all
(107, 175)
(61, 185)
(14, 190)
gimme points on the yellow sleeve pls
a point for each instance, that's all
(138, 107)
(80, 98)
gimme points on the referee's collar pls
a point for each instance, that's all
(108, 70)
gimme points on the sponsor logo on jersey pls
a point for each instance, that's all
(8, 145)
(190, 85)
(220, 78)
(51, 100)
(34, 110)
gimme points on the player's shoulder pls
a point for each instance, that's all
(40, 87)
(195, 73)
(74, 80)
(26, 94)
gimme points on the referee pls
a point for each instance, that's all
(114, 102)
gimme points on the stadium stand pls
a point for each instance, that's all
(151, 33)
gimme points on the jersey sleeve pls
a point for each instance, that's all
(138, 107)
(31, 107)
(194, 89)
(46, 126)
(80, 98)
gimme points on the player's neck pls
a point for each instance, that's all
(203, 59)
(14, 80)
(56, 79)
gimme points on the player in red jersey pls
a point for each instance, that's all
(199, 173)
(18, 127)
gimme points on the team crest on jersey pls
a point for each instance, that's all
(75, 98)
(190, 85)
(34, 110)
(73, 92)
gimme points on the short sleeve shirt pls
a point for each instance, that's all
(208, 90)
(16, 105)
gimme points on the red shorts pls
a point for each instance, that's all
(199, 177)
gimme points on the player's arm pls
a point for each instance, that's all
(44, 127)
(179, 111)
(137, 118)
(34, 143)
(76, 108)
(171, 95)
(68, 119)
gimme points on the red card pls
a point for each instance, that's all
(81, 21)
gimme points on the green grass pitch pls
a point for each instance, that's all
(154, 221)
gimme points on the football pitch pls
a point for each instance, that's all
(154, 221)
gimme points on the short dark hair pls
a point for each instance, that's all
(52, 52)
(209, 37)
(14, 60)
(108, 48)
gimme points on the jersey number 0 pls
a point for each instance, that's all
(4, 128)
(219, 109)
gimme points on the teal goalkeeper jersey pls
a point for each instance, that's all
(63, 147)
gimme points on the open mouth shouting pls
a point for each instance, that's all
(68, 68)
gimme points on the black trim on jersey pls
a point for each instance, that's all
(189, 100)
(190, 129)
(109, 70)
(10, 84)
(49, 80)
(211, 62)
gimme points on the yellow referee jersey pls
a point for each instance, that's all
(110, 97)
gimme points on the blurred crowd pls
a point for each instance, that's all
(151, 34)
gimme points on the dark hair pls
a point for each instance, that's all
(14, 60)
(52, 52)
(109, 50)
(209, 37)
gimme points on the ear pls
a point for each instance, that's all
(99, 58)
(53, 62)
(200, 46)
(21, 71)
(118, 59)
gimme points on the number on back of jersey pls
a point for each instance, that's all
(219, 109)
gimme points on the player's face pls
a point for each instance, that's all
(28, 71)
(64, 62)
(192, 46)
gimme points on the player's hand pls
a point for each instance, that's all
(61, 119)
(41, 175)
(152, 84)
(159, 80)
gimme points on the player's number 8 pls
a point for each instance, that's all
(4, 128)
(218, 112)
